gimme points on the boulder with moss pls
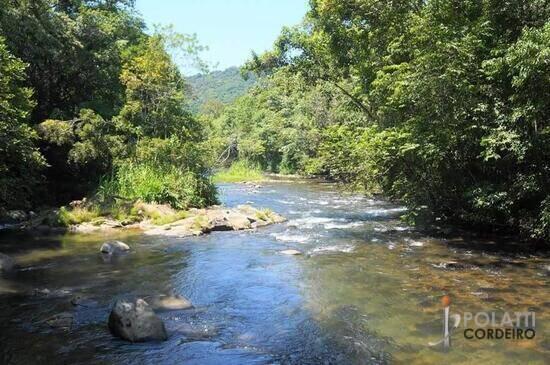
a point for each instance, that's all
(216, 218)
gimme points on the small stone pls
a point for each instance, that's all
(7, 264)
(114, 247)
(42, 292)
(76, 300)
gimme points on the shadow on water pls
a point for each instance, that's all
(365, 291)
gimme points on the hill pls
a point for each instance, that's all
(224, 86)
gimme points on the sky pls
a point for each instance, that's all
(230, 28)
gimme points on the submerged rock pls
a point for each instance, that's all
(45, 292)
(62, 321)
(196, 332)
(170, 302)
(7, 264)
(450, 265)
(80, 301)
(291, 252)
(114, 247)
(135, 321)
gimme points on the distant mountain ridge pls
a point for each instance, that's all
(224, 86)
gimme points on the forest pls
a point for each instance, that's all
(210, 90)
(441, 105)
(92, 104)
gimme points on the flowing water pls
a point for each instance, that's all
(366, 290)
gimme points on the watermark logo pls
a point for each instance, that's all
(486, 325)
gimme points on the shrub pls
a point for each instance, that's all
(239, 171)
(162, 184)
(77, 215)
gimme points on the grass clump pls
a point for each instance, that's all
(157, 214)
(200, 222)
(126, 212)
(162, 184)
(169, 218)
(238, 172)
(264, 215)
(67, 217)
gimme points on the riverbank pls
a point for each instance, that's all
(151, 219)
(193, 222)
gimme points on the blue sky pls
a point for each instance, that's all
(230, 28)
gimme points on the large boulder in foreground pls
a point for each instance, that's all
(135, 321)
(7, 264)
(114, 247)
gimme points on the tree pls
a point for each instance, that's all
(155, 102)
(20, 160)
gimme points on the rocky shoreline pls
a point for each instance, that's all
(195, 222)
(215, 218)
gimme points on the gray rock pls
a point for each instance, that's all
(7, 264)
(114, 247)
(238, 221)
(135, 321)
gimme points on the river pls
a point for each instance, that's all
(366, 290)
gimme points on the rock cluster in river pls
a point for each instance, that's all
(216, 219)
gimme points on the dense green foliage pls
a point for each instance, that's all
(218, 87)
(90, 101)
(19, 158)
(161, 170)
(443, 105)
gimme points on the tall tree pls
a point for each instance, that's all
(20, 160)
